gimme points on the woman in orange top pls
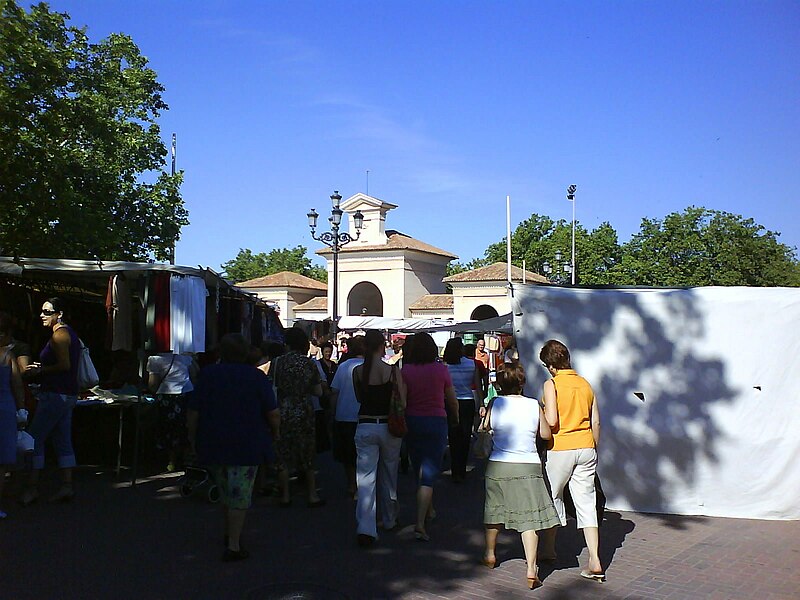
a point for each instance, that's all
(571, 411)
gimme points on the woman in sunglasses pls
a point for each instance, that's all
(57, 376)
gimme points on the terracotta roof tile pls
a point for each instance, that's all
(284, 279)
(397, 241)
(320, 303)
(433, 302)
(496, 272)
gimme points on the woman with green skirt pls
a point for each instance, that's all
(516, 495)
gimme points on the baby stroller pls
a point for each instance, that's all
(197, 477)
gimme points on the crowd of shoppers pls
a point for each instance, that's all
(252, 410)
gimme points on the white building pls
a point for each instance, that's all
(389, 274)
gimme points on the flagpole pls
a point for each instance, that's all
(508, 236)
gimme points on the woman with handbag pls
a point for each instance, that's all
(516, 495)
(431, 402)
(57, 376)
(170, 379)
(377, 451)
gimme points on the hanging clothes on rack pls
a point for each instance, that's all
(187, 314)
(121, 314)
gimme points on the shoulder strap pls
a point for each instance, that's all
(164, 377)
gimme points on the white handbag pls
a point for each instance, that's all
(87, 374)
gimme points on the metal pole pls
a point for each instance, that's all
(335, 248)
(573, 240)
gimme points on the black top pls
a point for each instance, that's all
(375, 400)
(20, 349)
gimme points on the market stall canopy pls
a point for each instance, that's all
(501, 324)
(98, 270)
(353, 322)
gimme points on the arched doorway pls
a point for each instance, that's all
(484, 311)
(365, 299)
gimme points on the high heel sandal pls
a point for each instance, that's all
(534, 582)
(594, 576)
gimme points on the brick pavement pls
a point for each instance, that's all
(148, 542)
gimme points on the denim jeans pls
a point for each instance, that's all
(53, 419)
(427, 440)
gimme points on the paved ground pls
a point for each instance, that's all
(148, 542)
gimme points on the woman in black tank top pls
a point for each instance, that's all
(376, 449)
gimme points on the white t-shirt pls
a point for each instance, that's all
(177, 380)
(347, 405)
(515, 423)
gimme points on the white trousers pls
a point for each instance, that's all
(576, 468)
(378, 457)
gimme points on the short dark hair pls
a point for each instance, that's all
(58, 305)
(296, 340)
(423, 349)
(324, 345)
(454, 351)
(234, 348)
(355, 346)
(469, 350)
(511, 379)
(6, 323)
(272, 349)
(555, 354)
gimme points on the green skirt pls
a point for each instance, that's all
(517, 497)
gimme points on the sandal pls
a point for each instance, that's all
(64, 494)
(234, 555)
(29, 496)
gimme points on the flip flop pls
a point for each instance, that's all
(598, 577)
(421, 536)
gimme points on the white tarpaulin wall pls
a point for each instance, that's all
(718, 431)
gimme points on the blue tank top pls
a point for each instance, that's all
(463, 376)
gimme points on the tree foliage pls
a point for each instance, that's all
(695, 247)
(707, 247)
(248, 265)
(539, 239)
(80, 150)
(454, 268)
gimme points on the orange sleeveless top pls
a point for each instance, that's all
(575, 398)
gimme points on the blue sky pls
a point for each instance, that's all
(648, 107)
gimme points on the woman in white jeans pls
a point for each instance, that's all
(572, 412)
(378, 451)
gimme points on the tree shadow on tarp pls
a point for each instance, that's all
(655, 392)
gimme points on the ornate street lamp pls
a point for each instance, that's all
(561, 270)
(335, 240)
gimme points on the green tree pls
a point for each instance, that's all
(454, 268)
(538, 238)
(247, 265)
(81, 155)
(700, 246)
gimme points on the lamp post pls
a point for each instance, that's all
(560, 270)
(335, 240)
(571, 197)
